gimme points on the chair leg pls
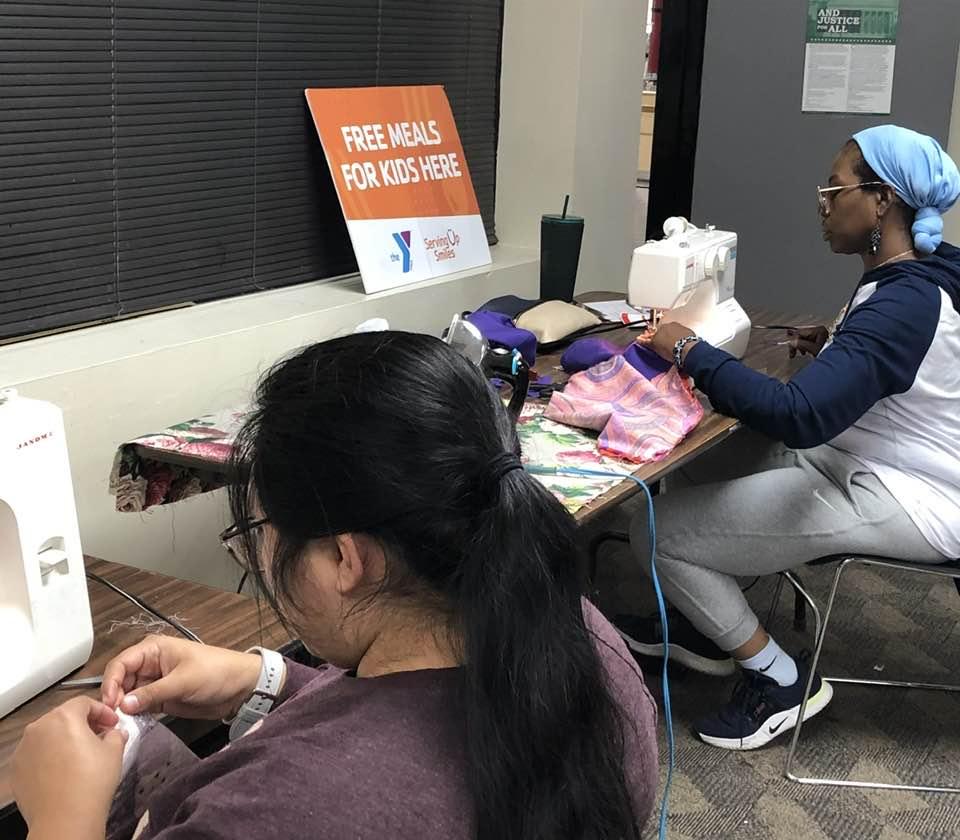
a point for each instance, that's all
(800, 592)
(799, 609)
(802, 599)
(775, 602)
(821, 635)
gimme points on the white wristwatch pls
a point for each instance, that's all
(256, 706)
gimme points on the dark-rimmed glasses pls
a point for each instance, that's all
(235, 539)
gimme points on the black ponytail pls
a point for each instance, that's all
(396, 436)
(544, 736)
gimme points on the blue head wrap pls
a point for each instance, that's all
(920, 172)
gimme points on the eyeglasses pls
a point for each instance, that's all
(235, 540)
(825, 194)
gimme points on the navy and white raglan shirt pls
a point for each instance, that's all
(886, 390)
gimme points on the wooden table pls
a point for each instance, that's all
(762, 354)
(219, 618)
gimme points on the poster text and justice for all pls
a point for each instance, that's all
(394, 171)
(838, 21)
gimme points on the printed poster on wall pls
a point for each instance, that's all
(403, 182)
(850, 55)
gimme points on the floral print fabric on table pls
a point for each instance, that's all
(140, 482)
(548, 444)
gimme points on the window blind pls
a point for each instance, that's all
(160, 152)
(57, 238)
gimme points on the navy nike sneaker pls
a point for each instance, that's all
(761, 709)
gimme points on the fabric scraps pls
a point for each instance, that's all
(639, 419)
(139, 481)
(148, 623)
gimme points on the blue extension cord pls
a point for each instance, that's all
(661, 605)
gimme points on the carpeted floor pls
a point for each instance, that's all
(901, 627)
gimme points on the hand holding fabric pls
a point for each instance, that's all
(661, 339)
(182, 678)
(66, 769)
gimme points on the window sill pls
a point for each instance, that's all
(54, 355)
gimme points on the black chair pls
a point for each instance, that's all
(593, 550)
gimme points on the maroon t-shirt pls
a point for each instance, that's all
(343, 757)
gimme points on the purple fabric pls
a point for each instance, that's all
(587, 352)
(370, 758)
(646, 361)
(584, 353)
(499, 329)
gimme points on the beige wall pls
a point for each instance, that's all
(117, 382)
(570, 116)
(569, 123)
(951, 222)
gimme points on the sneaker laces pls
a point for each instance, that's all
(749, 695)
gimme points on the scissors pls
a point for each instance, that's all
(84, 682)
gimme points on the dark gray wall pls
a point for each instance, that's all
(759, 159)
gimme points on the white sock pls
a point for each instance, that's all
(773, 662)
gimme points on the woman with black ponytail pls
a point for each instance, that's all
(471, 691)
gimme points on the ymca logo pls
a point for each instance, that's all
(403, 243)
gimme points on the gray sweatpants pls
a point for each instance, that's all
(786, 508)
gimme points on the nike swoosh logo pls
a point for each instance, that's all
(774, 729)
(764, 670)
(820, 497)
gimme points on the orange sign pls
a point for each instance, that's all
(394, 152)
(402, 178)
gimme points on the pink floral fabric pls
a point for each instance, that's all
(638, 419)
(139, 481)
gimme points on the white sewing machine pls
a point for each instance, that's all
(688, 277)
(45, 626)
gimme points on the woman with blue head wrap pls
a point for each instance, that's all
(917, 170)
(871, 426)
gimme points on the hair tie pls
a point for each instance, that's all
(500, 465)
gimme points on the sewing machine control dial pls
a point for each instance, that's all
(716, 260)
(723, 256)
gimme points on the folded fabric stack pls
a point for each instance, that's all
(639, 419)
